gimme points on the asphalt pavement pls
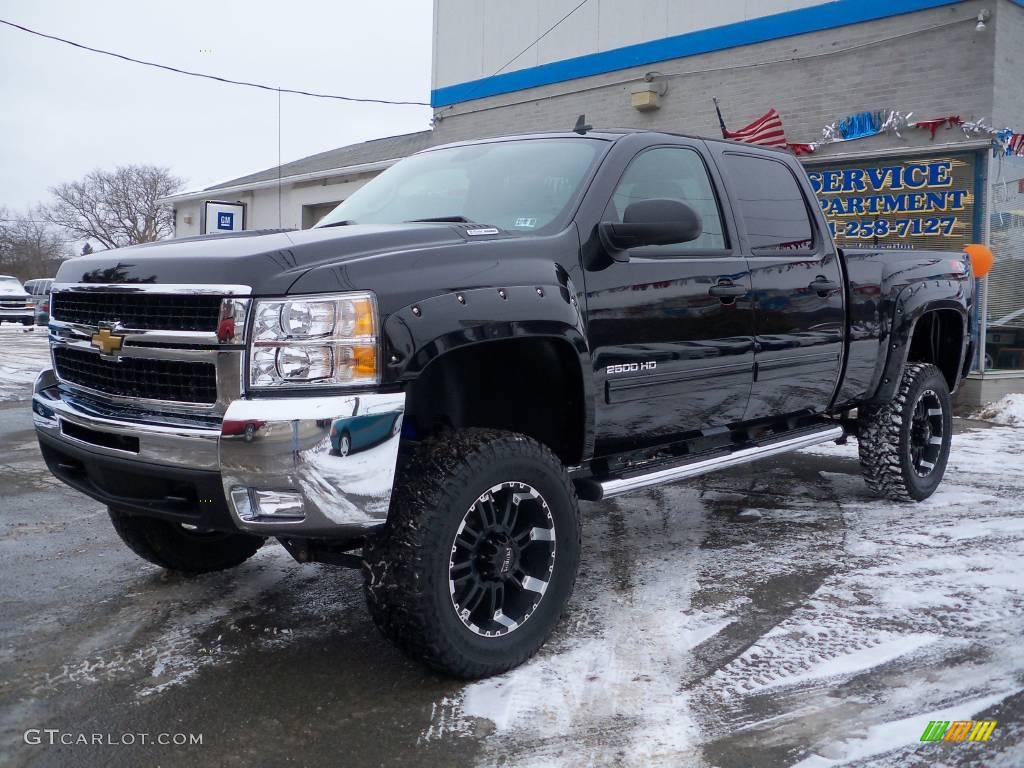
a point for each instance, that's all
(775, 615)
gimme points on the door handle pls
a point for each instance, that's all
(824, 287)
(727, 290)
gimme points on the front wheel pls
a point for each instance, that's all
(904, 444)
(479, 555)
(177, 548)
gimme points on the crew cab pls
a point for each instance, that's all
(424, 384)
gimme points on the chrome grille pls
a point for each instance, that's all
(169, 380)
(181, 346)
(158, 312)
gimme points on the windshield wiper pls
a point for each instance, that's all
(441, 219)
(344, 223)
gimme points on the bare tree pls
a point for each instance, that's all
(29, 246)
(116, 208)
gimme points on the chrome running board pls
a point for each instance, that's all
(620, 485)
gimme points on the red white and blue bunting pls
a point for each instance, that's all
(1005, 141)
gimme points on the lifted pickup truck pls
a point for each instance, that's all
(425, 383)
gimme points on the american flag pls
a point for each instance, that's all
(766, 130)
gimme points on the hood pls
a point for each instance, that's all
(268, 261)
(12, 291)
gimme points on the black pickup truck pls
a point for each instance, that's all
(425, 383)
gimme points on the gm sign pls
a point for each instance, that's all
(223, 217)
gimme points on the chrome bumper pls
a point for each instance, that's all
(280, 471)
(17, 314)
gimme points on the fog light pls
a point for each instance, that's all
(253, 506)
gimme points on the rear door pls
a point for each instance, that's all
(798, 293)
(671, 329)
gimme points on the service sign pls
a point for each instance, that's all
(223, 217)
(920, 202)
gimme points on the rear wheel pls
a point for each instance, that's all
(479, 554)
(177, 548)
(904, 444)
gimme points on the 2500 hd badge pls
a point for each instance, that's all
(649, 365)
(423, 385)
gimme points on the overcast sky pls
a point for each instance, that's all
(65, 111)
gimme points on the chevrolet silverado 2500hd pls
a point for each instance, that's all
(425, 383)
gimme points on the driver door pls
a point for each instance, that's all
(671, 329)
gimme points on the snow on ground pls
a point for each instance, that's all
(25, 353)
(1008, 410)
(828, 633)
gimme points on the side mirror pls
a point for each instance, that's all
(658, 221)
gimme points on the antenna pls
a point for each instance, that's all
(279, 226)
(581, 126)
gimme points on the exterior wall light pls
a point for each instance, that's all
(645, 96)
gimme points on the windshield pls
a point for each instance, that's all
(11, 285)
(521, 186)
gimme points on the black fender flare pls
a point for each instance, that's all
(914, 302)
(421, 333)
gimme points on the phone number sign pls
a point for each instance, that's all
(913, 203)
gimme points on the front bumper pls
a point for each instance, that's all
(17, 315)
(268, 467)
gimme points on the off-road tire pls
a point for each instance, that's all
(406, 565)
(175, 548)
(884, 437)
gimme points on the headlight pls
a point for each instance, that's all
(321, 341)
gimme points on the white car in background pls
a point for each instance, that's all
(16, 306)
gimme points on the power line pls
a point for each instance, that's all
(214, 77)
(546, 32)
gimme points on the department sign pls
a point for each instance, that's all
(923, 202)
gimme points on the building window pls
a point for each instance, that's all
(1004, 330)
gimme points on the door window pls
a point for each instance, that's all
(675, 173)
(770, 203)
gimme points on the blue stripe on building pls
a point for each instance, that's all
(813, 19)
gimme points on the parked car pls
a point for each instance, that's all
(475, 304)
(16, 305)
(363, 430)
(39, 290)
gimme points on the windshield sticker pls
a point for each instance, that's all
(483, 231)
(526, 222)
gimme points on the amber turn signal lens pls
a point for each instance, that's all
(365, 359)
(981, 257)
(364, 318)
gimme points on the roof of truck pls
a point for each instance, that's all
(605, 134)
(376, 154)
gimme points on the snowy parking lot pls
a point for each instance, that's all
(774, 615)
(25, 354)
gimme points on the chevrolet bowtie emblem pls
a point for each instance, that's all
(106, 342)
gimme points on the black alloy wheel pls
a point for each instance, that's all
(502, 559)
(926, 432)
(479, 554)
(904, 444)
